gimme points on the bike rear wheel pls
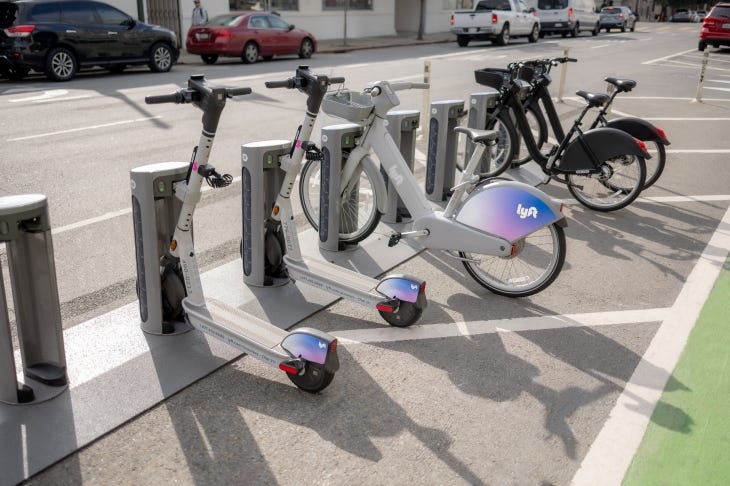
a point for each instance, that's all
(358, 209)
(505, 150)
(655, 165)
(618, 185)
(535, 262)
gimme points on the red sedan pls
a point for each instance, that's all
(248, 35)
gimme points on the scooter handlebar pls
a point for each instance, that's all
(337, 80)
(231, 92)
(287, 83)
(171, 98)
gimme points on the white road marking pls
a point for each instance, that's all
(615, 446)
(472, 328)
(81, 129)
(668, 57)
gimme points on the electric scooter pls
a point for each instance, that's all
(308, 356)
(400, 299)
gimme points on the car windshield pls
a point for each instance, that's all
(493, 5)
(7, 14)
(552, 4)
(611, 10)
(225, 20)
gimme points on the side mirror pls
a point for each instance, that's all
(291, 26)
(130, 22)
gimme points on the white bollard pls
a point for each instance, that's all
(705, 59)
(563, 73)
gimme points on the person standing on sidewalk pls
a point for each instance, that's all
(200, 15)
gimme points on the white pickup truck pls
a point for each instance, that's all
(495, 20)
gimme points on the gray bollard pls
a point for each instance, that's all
(25, 229)
(441, 158)
(261, 179)
(155, 211)
(337, 140)
(479, 106)
(402, 126)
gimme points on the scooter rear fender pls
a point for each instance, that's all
(604, 143)
(638, 128)
(509, 209)
(312, 345)
(402, 287)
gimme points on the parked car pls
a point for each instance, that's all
(620, 17)
(567, 17)
(681, 15)
(715, 29)
(59, 38)
(248, 36)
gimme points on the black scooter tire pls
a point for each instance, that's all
(313, 379)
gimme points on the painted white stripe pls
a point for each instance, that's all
(716, 89)
(664, 199)
(70, 98)
(473, 328)
(611, 453)
(667, 57)
(81, 129)
(677, 118)
(698, 151)
(601, 46)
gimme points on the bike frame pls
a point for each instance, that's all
(435, 229)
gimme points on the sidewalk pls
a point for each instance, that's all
(340, 45)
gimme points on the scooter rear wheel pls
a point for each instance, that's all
(407, 314)
(313, 379)
(536, 261)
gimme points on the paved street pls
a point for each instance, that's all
(551, 389)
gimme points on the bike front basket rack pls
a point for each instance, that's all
(350, 105)
(493, 77)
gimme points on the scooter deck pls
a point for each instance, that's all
(219, 316)
(330, 271)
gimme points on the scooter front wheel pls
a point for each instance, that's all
(535, 262)
(313, 379)
(620, 182)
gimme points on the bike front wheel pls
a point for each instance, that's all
(539, 129)
(504, 151)
(358, 209)
(618, 184)
(535, 262)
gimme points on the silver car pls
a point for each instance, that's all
(620, 17)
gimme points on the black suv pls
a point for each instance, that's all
(59, 37)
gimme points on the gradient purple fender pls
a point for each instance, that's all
(508, 209)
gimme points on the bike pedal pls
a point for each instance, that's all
(394, 240)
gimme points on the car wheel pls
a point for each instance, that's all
(575, 30)
(462, 40)
(503, 37)
(534, 34)
(623, 27)
(595, 30)
(250, 53)
(61, 65)
(209, 58)
(307, 49)
(160, 58)
(702, 46)
(633, 27)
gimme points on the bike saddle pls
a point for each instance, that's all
(622, 84)
(594, 99)
(478, 135)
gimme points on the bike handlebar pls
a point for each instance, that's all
(187, 96)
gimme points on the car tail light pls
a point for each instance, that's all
(620, 15)
(570, 14)
(223, 35)
(20, 30)
(494, 18)
(451, 20)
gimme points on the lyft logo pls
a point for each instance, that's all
(524, 212)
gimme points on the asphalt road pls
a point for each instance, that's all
(486, 404)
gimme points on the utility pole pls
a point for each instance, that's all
(344, 40)
(421, 20)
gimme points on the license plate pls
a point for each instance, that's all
(726, 26)
(202, 35)
(558, 24)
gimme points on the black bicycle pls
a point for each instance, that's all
(603, 168)
(539, 103)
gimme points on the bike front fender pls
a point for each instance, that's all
(639, 128)
(604, 144)
(381, 192)
(312, 345)
(508, 209)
